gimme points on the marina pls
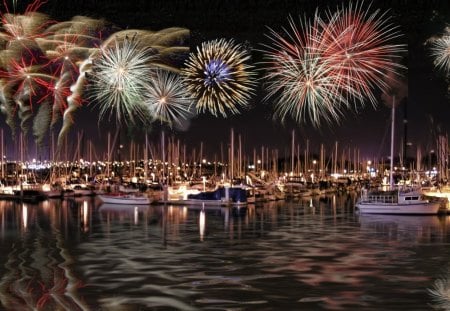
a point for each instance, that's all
(224, 155)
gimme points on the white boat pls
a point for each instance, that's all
(408, 200)
(200, 202)
(403, 201)
(130, 199)
(227, 196)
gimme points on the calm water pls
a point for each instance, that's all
(308, 255)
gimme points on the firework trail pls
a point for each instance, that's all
(167, 98)
(22, 86)
(20, 70)
(39, 62)
(42, 122)
(20, 28)
(168, 44)
(47, 63)
(327, 65)
(219, 78)
(68, 50)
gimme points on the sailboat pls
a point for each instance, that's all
(405, 200)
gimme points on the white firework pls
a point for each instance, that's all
(120, 75)
(440, 51)
(167, 99)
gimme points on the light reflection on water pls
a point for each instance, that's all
(312, 254)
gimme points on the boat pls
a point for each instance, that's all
(440, 193)
(52, 191)
(124, 198)
(78, 190)
(25, 195)
(222, 196)
(402, 201)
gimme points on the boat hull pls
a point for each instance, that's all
(204, 202)
(428, 208)
(126, 199)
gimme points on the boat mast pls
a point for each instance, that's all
(232, 156)
(2, 154)
(146, 158)
(391, 173)
(292, 152)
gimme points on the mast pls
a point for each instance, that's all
(146, 157)
(391, 174)
(163, 156)
(90, 159)
(292, 152)
(2, 154)
(108, 155)
(240, 156)
(335, 157)
(232, 156)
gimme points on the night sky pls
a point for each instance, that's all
(427, 108)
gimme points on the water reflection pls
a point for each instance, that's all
(24, 216)
(36, 269)
(411, 228)
(312, 254)
(202, 224)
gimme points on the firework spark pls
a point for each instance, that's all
(219, 78)
(167, 98)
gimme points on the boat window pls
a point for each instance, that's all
(411, 198)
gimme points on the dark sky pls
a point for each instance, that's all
(428, 106)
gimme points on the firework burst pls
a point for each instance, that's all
(167, 98)
(326, 65)
(24, 27)
(218, 77)
(303, 82)
(360, 48)
(440, 51)
(119, 79)
(45, 66)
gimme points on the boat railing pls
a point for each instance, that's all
(381, 198)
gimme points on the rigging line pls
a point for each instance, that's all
(383, 141)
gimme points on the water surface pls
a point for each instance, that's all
(313, 254)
